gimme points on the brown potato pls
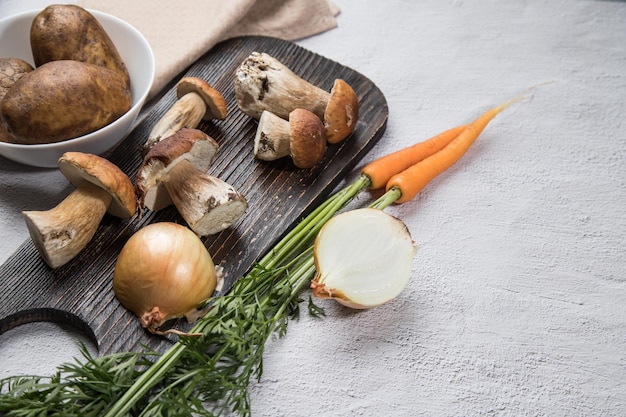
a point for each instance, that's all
(11, 70)
(63, 99)
(67, 31)
(4, 135)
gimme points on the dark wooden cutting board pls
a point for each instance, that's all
(278, 194)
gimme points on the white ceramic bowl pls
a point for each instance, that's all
(139, 60)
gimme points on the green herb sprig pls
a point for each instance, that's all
(207, 375)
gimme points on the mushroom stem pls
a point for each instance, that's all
(60, 233)
(208, 204)
(197, 101)
(272, 137)
(186, 112)
(264, 83)
(302, 137)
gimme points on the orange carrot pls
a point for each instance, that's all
(382, 169)
(412, 180)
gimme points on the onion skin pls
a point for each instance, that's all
(322, 291)
(164, 271)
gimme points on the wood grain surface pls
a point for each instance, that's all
(278, 194)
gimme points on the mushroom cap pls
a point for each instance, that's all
(214, 100)
(307, 138)
(342, 112)
(80, 168)
(192, 145)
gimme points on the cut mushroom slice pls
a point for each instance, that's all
(174, 171)
(264, 83)
(302, 137)
(197, 101)
(61, 233)
(192, 144)
(208, 204)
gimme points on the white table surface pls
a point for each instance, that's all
(517, 302)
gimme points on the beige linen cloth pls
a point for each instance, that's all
(180, 32)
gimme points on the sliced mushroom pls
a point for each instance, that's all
(192, 144)
(302, 137)
(59, 234)
(174, 171)
(264, 83)
(197, 101)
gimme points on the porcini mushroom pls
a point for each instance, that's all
(264, 83)
(302, 137)
(174, 171)
(197, 101)
(60, 233)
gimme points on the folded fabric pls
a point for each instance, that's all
(181, 32)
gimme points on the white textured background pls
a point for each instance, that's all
(517, 304)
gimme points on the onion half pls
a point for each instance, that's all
(363, 257)
(163, 272)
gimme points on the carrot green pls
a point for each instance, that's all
(209, 375)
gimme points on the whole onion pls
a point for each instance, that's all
(164, 271)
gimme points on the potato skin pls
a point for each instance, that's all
(69, 32)
(62, 100)
(11, 70)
